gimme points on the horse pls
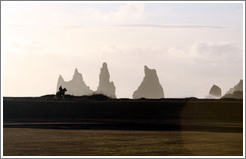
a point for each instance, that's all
(61, 92)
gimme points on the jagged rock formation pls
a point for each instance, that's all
(105, 87)
(150, 86)
(76, 86)
(215, 91)
(236, 95)
(236, 91)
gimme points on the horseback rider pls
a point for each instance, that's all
(60, 88)
(61, 91)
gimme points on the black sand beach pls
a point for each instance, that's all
(78, 126)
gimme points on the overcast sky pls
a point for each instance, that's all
(191, 45)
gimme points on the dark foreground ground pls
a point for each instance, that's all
(70, 142)
(78, 126)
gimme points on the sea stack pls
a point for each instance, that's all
(76, 86)
(150, 86)
(235, 92)
(105, 87)
(215, 91)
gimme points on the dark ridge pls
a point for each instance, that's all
(101, 97)
(97, 97)
(101, 112)
(67, 97)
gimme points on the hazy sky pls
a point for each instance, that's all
(191, 45)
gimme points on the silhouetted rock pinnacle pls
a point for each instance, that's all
(150, 86)
(60, 80)
(215, 91)
(76, 86)
(105, 86)
(236, 91)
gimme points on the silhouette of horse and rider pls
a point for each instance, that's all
(61, 92)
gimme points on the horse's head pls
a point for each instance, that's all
(64, 89)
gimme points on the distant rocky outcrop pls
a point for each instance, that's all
(237, 87)
(215, 91)
(105, 87)
(150, 86)
(236, 95)
(76, 86)
(236, 91)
